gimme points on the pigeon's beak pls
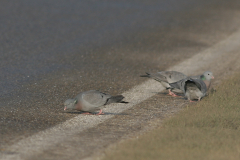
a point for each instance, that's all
(65, 108)
(212, 77)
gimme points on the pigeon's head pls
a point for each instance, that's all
(69, 104)
(207, 75)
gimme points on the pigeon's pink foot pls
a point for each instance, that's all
(191, 101)
(100, 112)
(87, 113)
(172, 94)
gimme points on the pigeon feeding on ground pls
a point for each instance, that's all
(195, 87)
(91, 101)
(166, 77)
(192, 88)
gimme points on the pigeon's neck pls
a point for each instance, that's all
(73, 106)
(75, 101)
(203, 77)
(208, 83)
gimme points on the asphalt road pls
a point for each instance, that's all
(51, 50)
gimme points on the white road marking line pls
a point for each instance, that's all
(43, 140)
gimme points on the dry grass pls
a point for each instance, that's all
(206, 130)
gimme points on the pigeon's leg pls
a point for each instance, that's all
(172, 94)
(100, 112)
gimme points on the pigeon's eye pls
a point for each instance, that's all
(208, 74)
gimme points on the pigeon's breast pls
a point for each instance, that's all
(78, 107)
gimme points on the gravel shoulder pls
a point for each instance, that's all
(43, 65)
(68, 141)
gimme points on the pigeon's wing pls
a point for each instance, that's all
(95, 98)
(195, 89)
(156, 76)
(166, 76)
(173, 76)
(200, 85)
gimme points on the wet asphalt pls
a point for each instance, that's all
(52, 50)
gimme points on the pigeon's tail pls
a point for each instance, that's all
(146, 75)
(116, 99)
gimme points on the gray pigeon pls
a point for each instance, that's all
(91, 101)
(166, 77)
(192, 88)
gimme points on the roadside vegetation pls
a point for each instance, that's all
(208, 130)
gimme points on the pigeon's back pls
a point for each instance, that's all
(173, 76)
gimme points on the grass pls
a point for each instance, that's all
(208, 130)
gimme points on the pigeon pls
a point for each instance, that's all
(91, 101)
(166, 77)
(192, 88)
